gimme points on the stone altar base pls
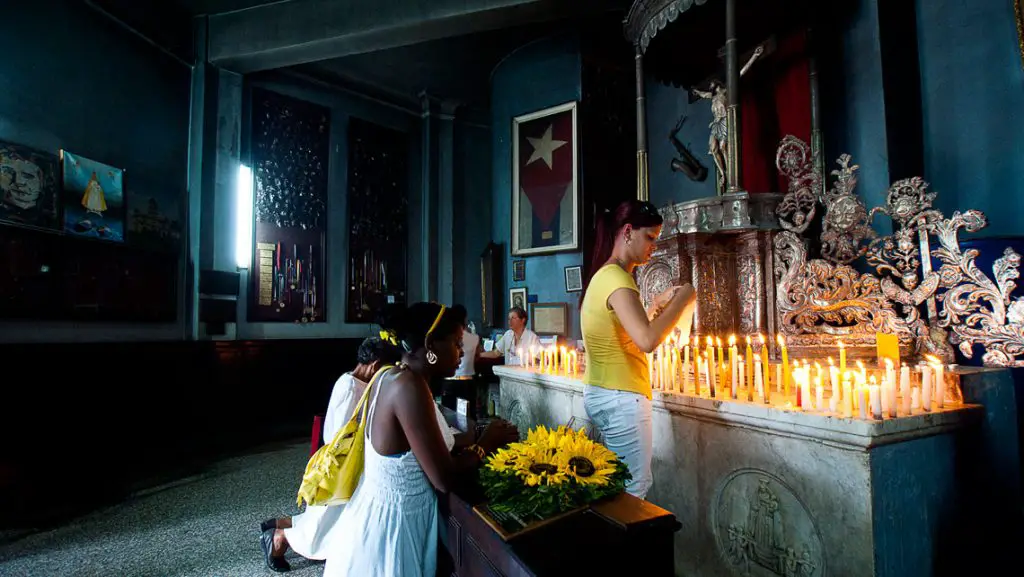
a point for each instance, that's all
(762, 491)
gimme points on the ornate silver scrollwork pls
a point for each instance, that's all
(846, 224)
(797, 209)
(978, 310)
(817, 299)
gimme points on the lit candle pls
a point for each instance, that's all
(862, 379)
(876, 399)
(749, 358)
(862, 401)
(842, 357)
(765, 368)
(905, 388)
(819, 394)
(758, 381)
(890, 387)
(575, 363)
(787, 372)
(565, 359)
(696, 366)
(926, 388)
(833, 377)
(733, 359)
(915, 399)
(519, 355)
(940, 381)
(847, 396)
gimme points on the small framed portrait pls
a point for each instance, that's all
(519, 271)
(517, 297)
(573, 279)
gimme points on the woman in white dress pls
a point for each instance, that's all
(390, 526)
(309, 532)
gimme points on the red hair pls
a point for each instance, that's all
(638, 214)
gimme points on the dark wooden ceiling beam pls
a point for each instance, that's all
(295, 32)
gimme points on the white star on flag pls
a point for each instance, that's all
(544, 147)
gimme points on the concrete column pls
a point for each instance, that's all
(446, 203)
(429, 201)
(197, 109)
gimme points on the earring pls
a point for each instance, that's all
(431, 357)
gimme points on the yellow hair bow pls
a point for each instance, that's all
(390, 337)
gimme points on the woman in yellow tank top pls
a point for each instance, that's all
(617, 332)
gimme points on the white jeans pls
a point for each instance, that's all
(624, 420)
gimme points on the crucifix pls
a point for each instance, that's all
(720, 145)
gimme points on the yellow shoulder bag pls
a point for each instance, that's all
(333, 472)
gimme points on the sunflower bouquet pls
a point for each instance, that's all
(552, 471)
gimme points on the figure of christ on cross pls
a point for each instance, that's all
(718, 142)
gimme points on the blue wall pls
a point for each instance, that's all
(665, 104)
(538, 75)
(972, 86)
(75, 79)
(473, 223)
(342, 106)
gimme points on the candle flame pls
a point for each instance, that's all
(932, 360)
(860, 365)
(757, 358)
(748, 340)
(841, 345)
(780, 339)
(718, 342)
(732, 340)
(872, 380)
(888, 363)
(760, 336)
(830, 363)
(817, 366)
(710, 341)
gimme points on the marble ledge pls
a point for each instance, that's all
(829, 429)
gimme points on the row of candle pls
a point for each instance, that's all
(551, 360)
(721, 376)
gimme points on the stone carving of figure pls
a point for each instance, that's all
(718, 142)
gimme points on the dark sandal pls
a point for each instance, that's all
(268, 524)
(277, 564)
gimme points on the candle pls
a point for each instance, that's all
(926, 388)
(778, 378)
(709, 352)
(819, 395)
(787, 373)
(719, 351)
(862, 379)
(833, 402)
(940, 381)
(876, 400)
(519, 355)
(890, 383)
(696, 366)
(833, 376)
(708, 377)
(758, 380)
(862, 401)
(842, 357)
(733, 359)
(565, 359)
(749, 362)
(847, 396)
(575, 363)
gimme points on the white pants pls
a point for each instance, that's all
(624, 420)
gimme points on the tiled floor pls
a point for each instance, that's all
(202, 526)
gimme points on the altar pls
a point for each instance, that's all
(768, 489)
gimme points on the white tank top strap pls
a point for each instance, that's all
(373, 406)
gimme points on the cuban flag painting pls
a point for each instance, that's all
(545, 202)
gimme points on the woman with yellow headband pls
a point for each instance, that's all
(389, 527)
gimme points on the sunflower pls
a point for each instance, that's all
(504, 460)
(538, 464)
(585, 461)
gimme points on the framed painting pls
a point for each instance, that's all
(545, 203)
(28, 187)
(517, 298)
(550, 319)
(518, 271)
(92, 198)
(573, 279)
